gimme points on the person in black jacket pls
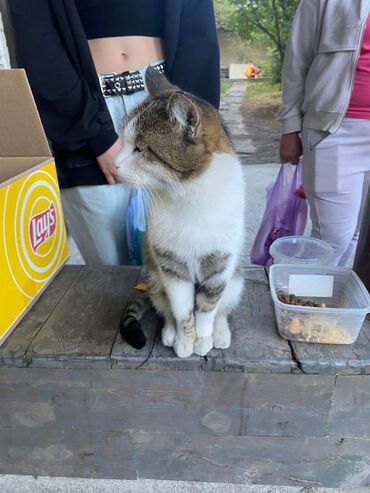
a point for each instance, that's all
(86, 61)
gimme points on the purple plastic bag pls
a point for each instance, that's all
(285, 214)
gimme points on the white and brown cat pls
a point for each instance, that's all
(176, 146)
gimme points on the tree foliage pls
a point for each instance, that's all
(268, 21)
(225, 12)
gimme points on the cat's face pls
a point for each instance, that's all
(167, 139)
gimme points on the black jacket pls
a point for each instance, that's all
(51, 45)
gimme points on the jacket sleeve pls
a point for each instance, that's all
(299, 56)
(197, 61)
(72, 114)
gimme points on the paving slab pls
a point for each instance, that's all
(232, 114)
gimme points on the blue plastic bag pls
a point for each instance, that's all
(136, 223)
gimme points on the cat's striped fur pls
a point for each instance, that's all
(176, 146)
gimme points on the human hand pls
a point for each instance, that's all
(106, 162)
(290, 148)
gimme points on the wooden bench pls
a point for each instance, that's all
(75, 400)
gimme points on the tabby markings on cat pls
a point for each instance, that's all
(177, 147)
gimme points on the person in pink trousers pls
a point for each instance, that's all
(325, 115)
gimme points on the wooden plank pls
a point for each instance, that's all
(153, 401)
(300, 462)
(84, 325)
(336, 359)
(256, 345)
(125, 356)
(13, 351)
(350, 412)
(71, 453)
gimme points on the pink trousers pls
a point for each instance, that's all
(336, 178)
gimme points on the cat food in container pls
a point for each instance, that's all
(335, 303)
(301, 250)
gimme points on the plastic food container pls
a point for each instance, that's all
(339, 323)
(301, 250)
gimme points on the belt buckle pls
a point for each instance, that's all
(102, 78)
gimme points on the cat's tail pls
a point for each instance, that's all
(130, 326)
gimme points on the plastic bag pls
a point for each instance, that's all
(136, 222)
(285, 214)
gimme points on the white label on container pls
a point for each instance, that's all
(311, 285)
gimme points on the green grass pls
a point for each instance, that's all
(225, 85)
(262, 95)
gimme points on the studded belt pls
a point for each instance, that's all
(113, 84)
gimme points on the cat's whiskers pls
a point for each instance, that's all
(153, 206)
(156, 194)
(152, 209)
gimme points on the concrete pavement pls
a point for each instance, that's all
(28, 484)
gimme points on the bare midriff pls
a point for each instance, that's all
(123, 53)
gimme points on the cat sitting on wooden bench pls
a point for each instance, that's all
(176, 146)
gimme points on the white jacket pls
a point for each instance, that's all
(320, 63)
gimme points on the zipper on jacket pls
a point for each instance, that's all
(353, 76)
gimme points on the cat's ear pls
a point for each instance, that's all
(185, 113)
(157, 83)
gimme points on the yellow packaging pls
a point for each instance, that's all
(33, 240)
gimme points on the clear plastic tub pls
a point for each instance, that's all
(301, 250)
(339, 323)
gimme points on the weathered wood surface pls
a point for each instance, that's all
(304, 462)
(194, 425)
(335, 359)
(75, 325)
(162, 401)
(66, 453)
(301, 462)
(350, 412)
(256, 345)
(255, 342)
(14, 350)
(85, 323)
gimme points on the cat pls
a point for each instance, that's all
(177, 147)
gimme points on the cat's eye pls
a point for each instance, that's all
(136, 149)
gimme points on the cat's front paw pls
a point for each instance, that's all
(203, 345)
(183, 346)
(221, 334)
(168, 335)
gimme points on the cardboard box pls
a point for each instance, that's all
(33, 240)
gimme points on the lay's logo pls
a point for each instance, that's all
(42, 226)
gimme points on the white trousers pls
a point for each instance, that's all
(336, 178)
(96, 215)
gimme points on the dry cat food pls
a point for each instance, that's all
(293, 300)
(313, 329)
